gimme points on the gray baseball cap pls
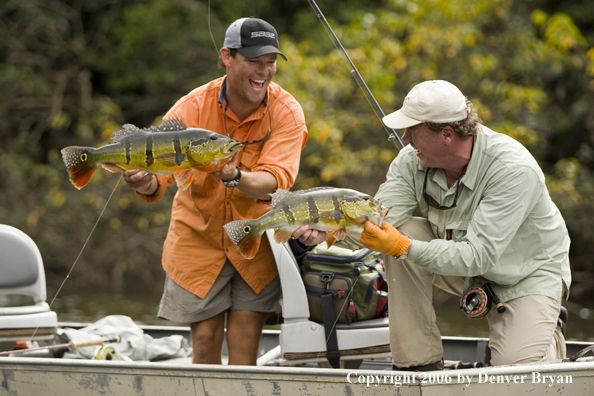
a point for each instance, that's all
(252, 37)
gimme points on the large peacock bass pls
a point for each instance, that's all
(170, 148)
(323, 208)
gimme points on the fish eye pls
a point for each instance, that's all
(83, 157)
(247, 229)
(214, 137)
(366, 198)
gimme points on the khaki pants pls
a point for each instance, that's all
(526, 332)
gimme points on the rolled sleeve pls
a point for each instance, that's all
(282, 152)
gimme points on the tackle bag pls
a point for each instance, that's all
(356, 280)
(343, 286)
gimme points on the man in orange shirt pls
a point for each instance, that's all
(209, 284)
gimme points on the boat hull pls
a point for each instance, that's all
(53, 377)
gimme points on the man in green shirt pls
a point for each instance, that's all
(483, 210)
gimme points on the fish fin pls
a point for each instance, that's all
(184, 179)
(281, 236)
(171, 159)
(354, 220)
(278, 196)
(248, 247)
(79, 164)
(335, 235)
(281, 194)
(81, 174)
(112, 167)
(383, 212)
(169, 125)
(239, 233)
(314, 189)
(208, 167)
(125, 131)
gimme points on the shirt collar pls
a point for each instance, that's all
(472, 169)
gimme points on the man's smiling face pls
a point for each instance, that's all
(248, 78)
(429, 145)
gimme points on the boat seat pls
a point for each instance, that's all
(303, 340)
(24, 312)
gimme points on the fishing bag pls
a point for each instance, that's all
(342, 286)
(355, 281)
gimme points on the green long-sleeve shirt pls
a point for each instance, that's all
(505, 226)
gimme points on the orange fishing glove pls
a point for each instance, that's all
(386, 240)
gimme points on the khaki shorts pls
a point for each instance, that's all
(229, 292)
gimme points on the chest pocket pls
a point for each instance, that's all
(459, 229)
(250, 155)
(441, 222)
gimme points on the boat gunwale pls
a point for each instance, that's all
(160, 368)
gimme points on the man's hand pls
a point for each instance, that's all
(141, 181)
(385, 240)
(229, 170)
(309, 237)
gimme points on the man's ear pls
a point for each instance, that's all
(448, 133)
(225, 56)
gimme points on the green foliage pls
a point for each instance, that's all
(72, 72)
(153, 52)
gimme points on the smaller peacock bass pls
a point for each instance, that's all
(170, 148)
(323, 208)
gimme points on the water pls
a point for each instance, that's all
(88, 308)
(142, 308)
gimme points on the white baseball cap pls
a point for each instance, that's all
(429, 101)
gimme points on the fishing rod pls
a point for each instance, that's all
(392, 135)
(70, 345)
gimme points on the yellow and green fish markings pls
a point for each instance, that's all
(170, 148)
(323, 208)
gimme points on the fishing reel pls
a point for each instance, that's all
(476, 302)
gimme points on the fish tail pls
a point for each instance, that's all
(243, 236)
(80, 167)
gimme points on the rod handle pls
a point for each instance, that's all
(86, 343)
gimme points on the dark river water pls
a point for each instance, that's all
(143, 310)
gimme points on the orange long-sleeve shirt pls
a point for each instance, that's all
(197, 246)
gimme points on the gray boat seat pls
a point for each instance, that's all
(303, 340)
(24, 312)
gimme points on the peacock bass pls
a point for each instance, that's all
(323, 208)
(170, 148)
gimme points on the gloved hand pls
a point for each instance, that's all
(385, 240)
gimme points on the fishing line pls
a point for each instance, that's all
(87, 241)
(211, 36)
(81, 250)
(393, 136)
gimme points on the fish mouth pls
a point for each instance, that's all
(383, 212)
(232, 147)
